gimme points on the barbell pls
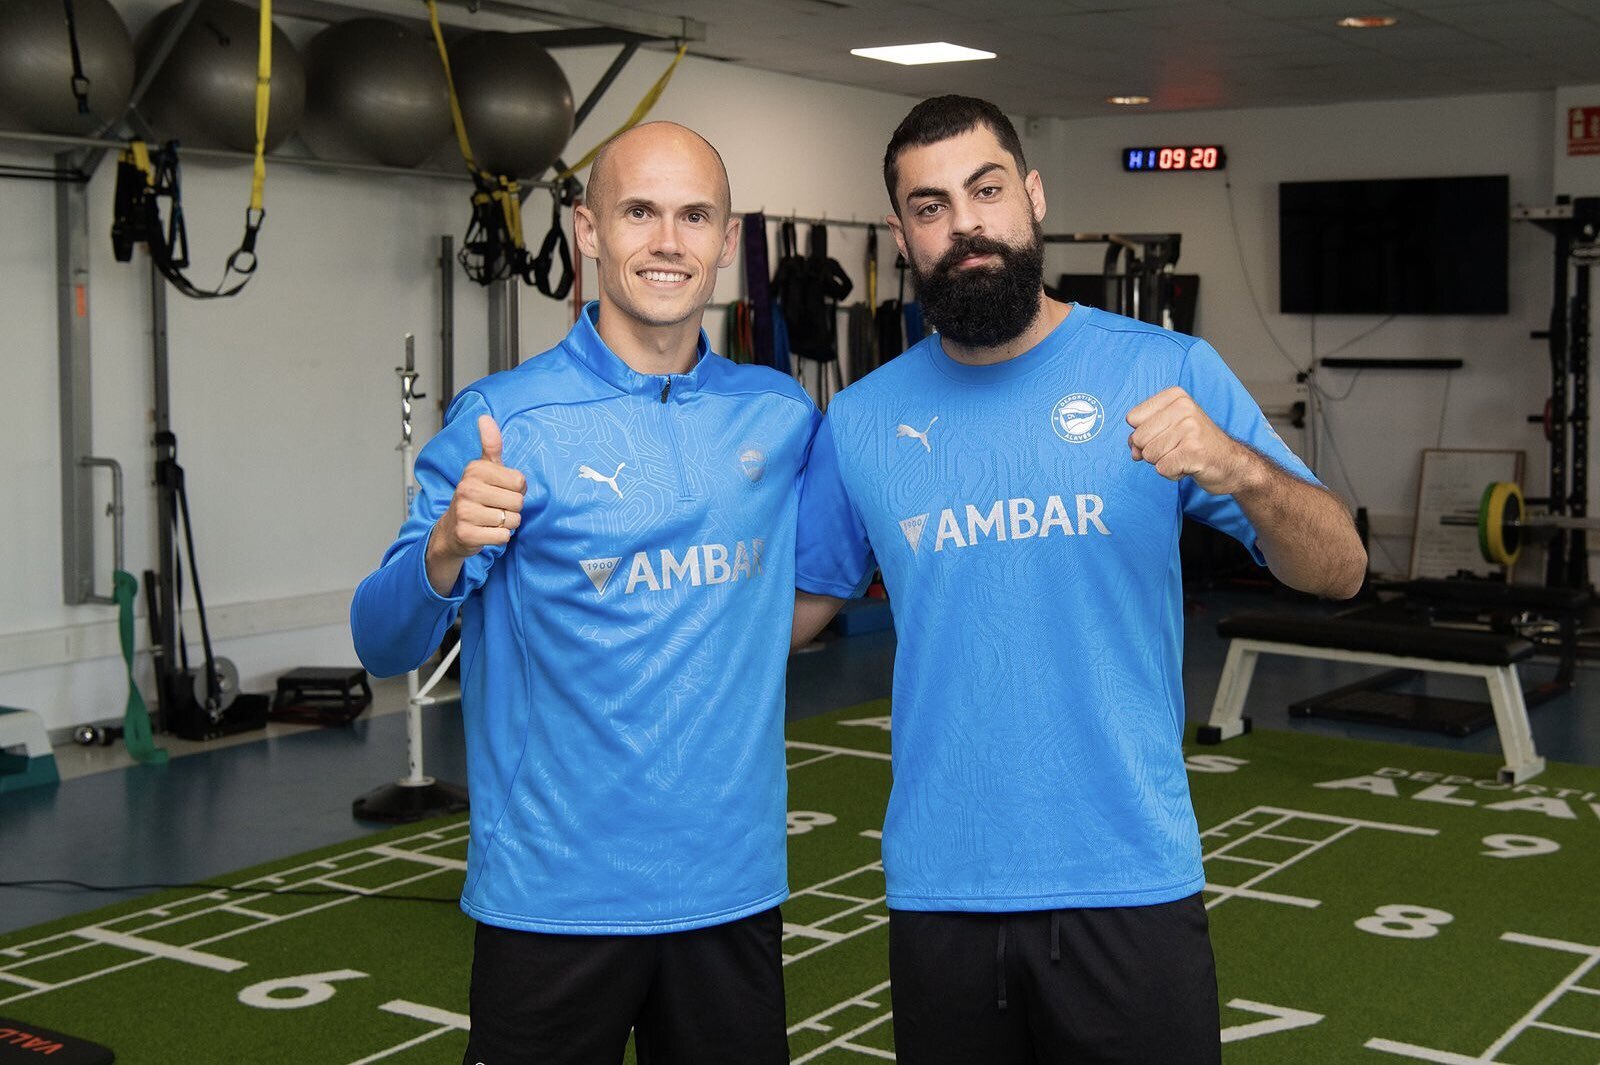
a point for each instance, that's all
(1501, 519)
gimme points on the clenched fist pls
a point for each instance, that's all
(1174, 435)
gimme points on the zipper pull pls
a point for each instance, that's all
(665, 389)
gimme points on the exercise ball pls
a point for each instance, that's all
(36, 65)
(515, 101)
(205, 93)
(375, 92)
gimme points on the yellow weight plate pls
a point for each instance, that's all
(1499, 538)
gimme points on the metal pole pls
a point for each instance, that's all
(72, 332)
(505, 312)
(408, 473)
(1555, 563)
(447, 322)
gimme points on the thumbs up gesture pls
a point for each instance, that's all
(487, 505)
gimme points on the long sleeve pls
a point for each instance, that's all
(396, 618)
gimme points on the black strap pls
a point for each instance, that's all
(80, 83)
(137, 220)
(555, 241)
(169, 473)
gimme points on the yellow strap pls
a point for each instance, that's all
(263, 101)
(138, 154)
(450, 83)
(634, 119)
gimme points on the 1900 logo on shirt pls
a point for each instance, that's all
(1077, 418)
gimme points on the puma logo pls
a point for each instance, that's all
(589, 474)
(906, 430)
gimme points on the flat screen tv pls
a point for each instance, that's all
(1398, 246)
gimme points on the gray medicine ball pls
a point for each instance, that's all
(205, 93)
(375, 93)
(515, 101)
(36, 65)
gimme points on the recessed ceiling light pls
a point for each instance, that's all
(911, 55)
(1128, 101)
(1367, 22)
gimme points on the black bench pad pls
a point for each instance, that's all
(1413, 641)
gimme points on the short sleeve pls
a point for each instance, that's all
(1219, 393)
(832, 552)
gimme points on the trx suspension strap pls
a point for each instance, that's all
(80, 83)
(493, 248)
(144, 178)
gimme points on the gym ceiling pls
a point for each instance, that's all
(1064, 57)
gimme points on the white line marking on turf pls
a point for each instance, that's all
(430, 1014)
(162, 950)
(1564, 1030)
(447, 1022)
(871, 833)
(1261, 896)
(1568, 985)
(1276, 818)
(70, 942)
(1279, 1019)
(848, 752)
(418, 856)
(1439, 1057)
(869, 1000)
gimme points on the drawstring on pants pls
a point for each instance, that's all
(1000, 968)
(1055, 935)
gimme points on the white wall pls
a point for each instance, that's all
(284, 398)
(1231, 242)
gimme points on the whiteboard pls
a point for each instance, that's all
(1452, 482)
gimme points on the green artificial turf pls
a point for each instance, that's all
(1369, 902)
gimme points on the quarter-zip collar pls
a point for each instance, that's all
(586, 346)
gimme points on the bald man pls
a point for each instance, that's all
(614, 521)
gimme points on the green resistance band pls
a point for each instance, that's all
(136, 734)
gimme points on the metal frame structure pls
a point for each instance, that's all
(1575, 225)
(1142, 289)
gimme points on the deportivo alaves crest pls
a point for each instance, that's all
(700, 564)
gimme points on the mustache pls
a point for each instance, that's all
(966, 247)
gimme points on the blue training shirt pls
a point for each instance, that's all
(622, 659)
(1033, 569)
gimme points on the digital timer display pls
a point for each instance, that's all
(1188, 157)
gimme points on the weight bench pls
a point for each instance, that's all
(1398, 647)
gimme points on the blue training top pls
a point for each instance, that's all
(622, 659)
(1033, 569)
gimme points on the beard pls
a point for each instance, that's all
(983, 306)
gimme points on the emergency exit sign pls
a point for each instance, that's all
(1583, 131)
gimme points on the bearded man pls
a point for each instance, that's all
(1020, 478)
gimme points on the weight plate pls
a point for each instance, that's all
(1499, 538)
(227, 684)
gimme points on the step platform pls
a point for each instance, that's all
(321, 695)
(26, 760)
